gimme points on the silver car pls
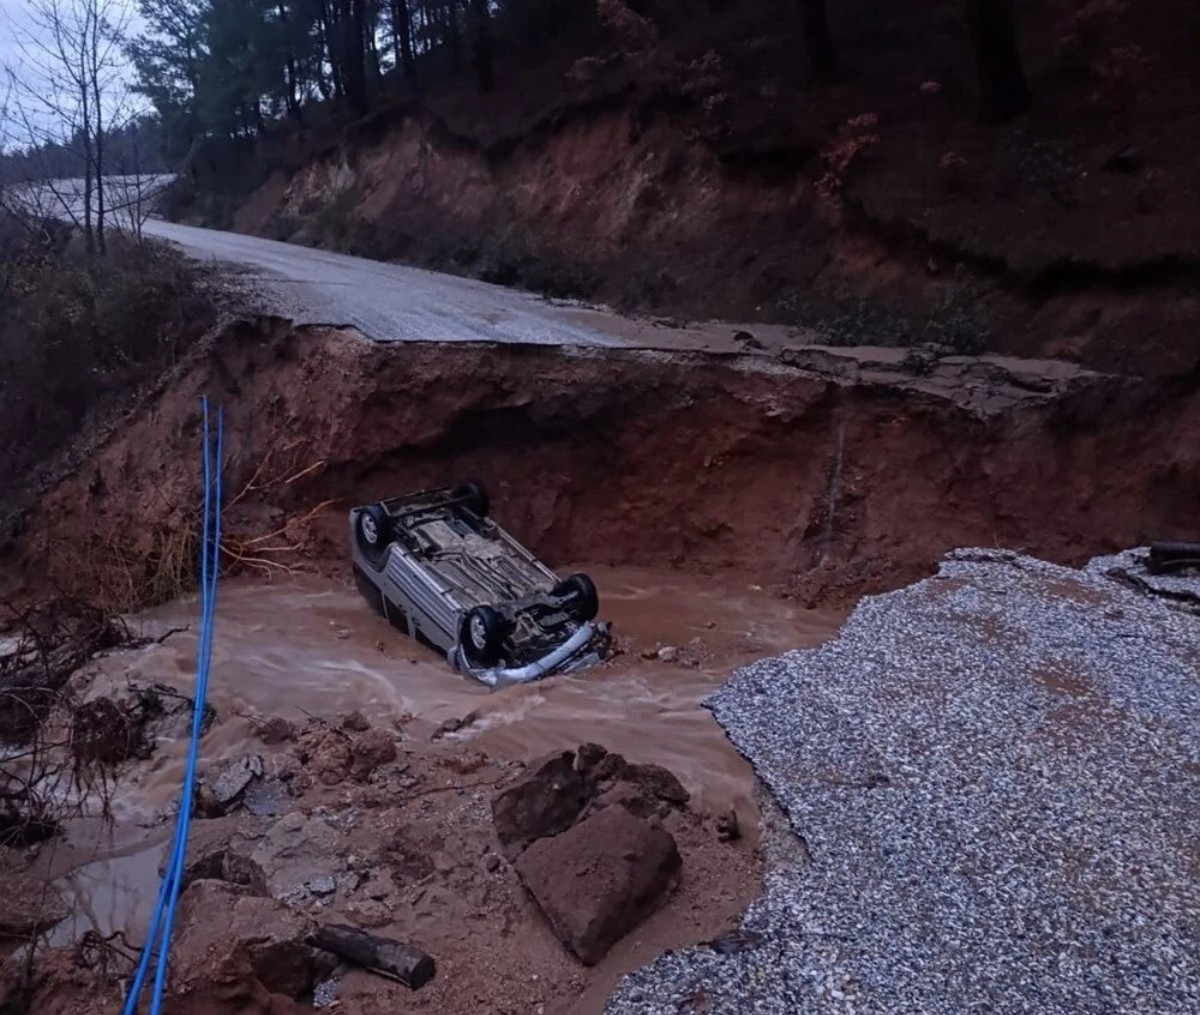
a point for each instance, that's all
(441, 570)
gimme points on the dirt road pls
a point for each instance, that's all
(390, 302)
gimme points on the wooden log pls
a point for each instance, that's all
(393, 959)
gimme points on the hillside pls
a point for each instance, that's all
(687, 164)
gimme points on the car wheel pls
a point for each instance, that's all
(373, 532)
(584, 602)
(474, 497)
(482, 637)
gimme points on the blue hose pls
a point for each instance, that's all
(168, 897)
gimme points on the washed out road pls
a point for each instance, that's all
(390, 302)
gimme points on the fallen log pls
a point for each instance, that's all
(393, 959)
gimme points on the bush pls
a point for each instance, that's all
(75, 331)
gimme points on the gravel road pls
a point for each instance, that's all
(391, 302)
(994, 778)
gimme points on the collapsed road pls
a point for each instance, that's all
(396, 303)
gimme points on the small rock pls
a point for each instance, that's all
(356, 722)
(590, 894)
(735, 941)
(455, 725)
(728, 829)
(322, 884)
(492, 863)
(747, 340)
(276, 730)
(668, 654)
(369, 914)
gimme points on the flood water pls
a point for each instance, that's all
(311, 647)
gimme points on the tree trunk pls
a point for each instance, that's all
(1003, 92)
(481, 46)
(454, 34)
(330, 32)
(355, 67)
(818, 40)
(402, 41)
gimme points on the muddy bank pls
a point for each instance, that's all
(827, 477)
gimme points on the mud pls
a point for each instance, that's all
(309, 647)
(826, 477)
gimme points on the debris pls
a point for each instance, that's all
(393, 959)
(668, 654)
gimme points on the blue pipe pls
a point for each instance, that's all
(168, 897)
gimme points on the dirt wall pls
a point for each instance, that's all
(707, 463)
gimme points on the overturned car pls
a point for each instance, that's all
(439, 568)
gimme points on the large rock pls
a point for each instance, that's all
(298, 854)
(239, 945)
(544, 801)
(601, 878)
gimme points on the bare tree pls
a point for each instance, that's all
(68, 89)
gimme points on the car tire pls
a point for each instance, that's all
(373, 531)
(482, 636)
(474, 498)
(585, 602)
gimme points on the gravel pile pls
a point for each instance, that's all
(994, 776)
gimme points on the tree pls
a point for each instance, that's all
(481, 45)
(1003, 92)
(402, 42)
(818, 40)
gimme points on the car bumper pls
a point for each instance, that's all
(584, 648)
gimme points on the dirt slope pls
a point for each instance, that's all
(704, 177)
(811, 479)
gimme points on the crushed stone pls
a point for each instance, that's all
(992, 780)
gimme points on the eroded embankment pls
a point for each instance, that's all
(792, 474)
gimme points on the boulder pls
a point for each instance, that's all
(544, 801)
(236, 944)
(600, 879)
(226, 782)
(356, 722)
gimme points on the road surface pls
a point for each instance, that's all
(390, 302)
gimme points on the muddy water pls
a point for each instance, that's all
(310, 647)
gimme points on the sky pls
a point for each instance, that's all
(15, 25)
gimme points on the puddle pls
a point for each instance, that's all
(310, 647)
